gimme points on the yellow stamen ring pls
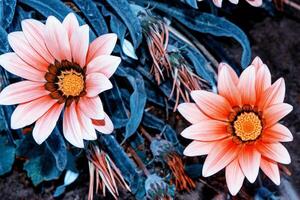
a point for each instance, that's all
(247, 126)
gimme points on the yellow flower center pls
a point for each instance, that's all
(247, 126)
(71, 83)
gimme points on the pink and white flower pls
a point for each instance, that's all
(63, 72)
(238, 128)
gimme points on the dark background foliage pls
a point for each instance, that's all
(273, 36)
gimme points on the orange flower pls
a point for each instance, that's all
(62, 70)
(238, 128)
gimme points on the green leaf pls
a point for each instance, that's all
(41, 164)
(42, 168)
(7, 155)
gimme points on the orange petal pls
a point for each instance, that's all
(221, 154)
(270, 168)
(105, 64)
(34, 33)
(27, 113)
(102, 45)
(15, 65)
(213, 105)
(257, 63)
(249, 160)
(206, 130)
(273, 95)
(87, 128)
(198, 148)
(24, 50)
(263, 80)
(247, 86)
(191, 112)
(255, 3)
(108, 126)
(91, 107)
(274, 151)
(71, 24)
(57, 40)
(22, 92)
(277, 133)
(275, 113)
(227, 88)
(79, 44)
(71, 127)
(218, 3)
(234, 177)
(45, 125)
(233, 75)
(97, 83)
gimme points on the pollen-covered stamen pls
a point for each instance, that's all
(247, 126)
(65, 81)
(71, 83)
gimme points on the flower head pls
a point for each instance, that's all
(255, 3)
(238, 128)
(62, 71)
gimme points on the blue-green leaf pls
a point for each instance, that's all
(41, 164)
(122, 7)
(49, 7)
(4, 47)
(7, 155)
(7, 11)
(91, 12)
(137, 99)
(56, 145)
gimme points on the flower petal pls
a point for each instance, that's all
(104, 64)
(275, 113)
(206, 130)
(191, 112)
(221, 154)
(71, 127)
(277, 133)
(34, 33)
(246, 85)
(57, 40)
(234, 177)
(102, 45)
(15, 65)
(270, 168)
(274, 151)
(257, 63)
(27, 113)
(233, 75)
(218, 3)
(263, 80)
(45, 124)
(79, 44)
(234, 1)
(213, 105)
(71, 24)
(255, 3)
(91, 107)
(86, 125)
(22, 92)
(198, 148)
(273, 95)
(96, 83)
(21, 46)
(249, 159)
(227, 88)
(104, 126)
